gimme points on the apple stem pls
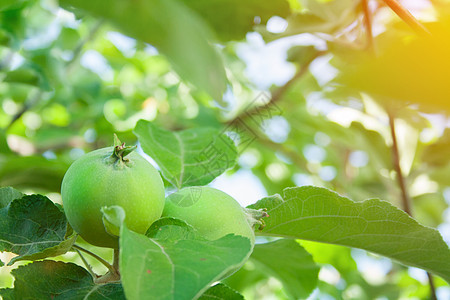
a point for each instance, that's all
(118, 157)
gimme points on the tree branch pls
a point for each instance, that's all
(406, 202)
(396, 164)
(406, 16)
(368, 24)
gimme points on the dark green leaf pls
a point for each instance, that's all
(317, 214)
(157, 269)
(290, 263)
(190, 157)
(34, 228)
(58, 280)
(221, 291)
(10, 4)
(24, 76)
(4, 148)
(173, 29)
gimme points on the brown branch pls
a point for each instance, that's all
(406, 16)
(396, 164)
(406, 202)
(368, 24)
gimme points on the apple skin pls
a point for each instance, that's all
(94, 181)
(211, 212)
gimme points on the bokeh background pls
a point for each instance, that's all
(69, 80)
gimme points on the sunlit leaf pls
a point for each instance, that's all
(317, 214)
(318, 16)
(173, 29)
(184, 269)
(407, 68)
(190, 157)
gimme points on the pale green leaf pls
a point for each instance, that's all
(173, 29)
(317, 214)
(183, 269)
(318, 16)
(189, 157)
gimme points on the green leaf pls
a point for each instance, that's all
(173, 29)
(7, 195)
(173, 229)
(190, 157)
(290, 263)
(183, 269)
(34, 228)
(221, 291)
(24, 76)
(436, 154)
(218, 14)
(319, 16)
(10, 4)
(32, 172)
(4, 148)
(317, 214)
(58, 280)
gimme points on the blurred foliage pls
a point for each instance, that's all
(69, 79)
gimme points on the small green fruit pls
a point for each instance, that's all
(211, 212)
(106, 177)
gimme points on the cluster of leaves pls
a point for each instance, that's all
(164, 262)
(55, 104)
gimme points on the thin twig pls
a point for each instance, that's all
(404, 192)
(30, 103)
(406, 16)
(104, 262)
(397, 167)
(87, 265)
(368, 25)
(432, 286)
(279, 93)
